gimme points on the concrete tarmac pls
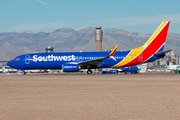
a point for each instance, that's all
(150, 96)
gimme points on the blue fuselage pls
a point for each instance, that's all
(56, 60)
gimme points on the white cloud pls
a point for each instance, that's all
(41, 2)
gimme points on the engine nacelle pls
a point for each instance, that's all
(70, 67)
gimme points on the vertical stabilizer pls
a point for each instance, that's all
(155, 44)
(157, 41)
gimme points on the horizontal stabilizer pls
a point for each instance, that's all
(162, 53)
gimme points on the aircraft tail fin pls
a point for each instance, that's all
(146, 53)
(157, 41)
(167, 59)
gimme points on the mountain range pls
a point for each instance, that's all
(13, 44)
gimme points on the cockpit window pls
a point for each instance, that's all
(16, 59)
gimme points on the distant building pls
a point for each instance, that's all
(4, 67)
(154, 63)
(49, 49)
(3, 63)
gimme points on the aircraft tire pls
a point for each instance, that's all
(117, 72)
(89, 71)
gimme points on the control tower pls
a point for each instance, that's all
(98, 33)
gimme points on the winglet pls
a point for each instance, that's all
(113, 51)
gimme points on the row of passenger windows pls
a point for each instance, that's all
(102, 57)
(89, 58)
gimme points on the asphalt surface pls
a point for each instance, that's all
(152, 96)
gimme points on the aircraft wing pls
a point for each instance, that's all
(93, 62)
(98, 61)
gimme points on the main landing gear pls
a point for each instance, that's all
(21, 72)
(89, 71)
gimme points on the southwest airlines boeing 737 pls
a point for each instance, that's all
(74, 61)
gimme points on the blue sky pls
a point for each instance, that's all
(143, 16)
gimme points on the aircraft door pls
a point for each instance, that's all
(27, 59)
(140, 57)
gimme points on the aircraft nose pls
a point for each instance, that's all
(10, 63)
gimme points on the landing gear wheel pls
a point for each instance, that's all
(89, 71)
(117, 72)
(24, 73)
(21, 72)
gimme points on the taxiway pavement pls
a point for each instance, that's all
(154, 96)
